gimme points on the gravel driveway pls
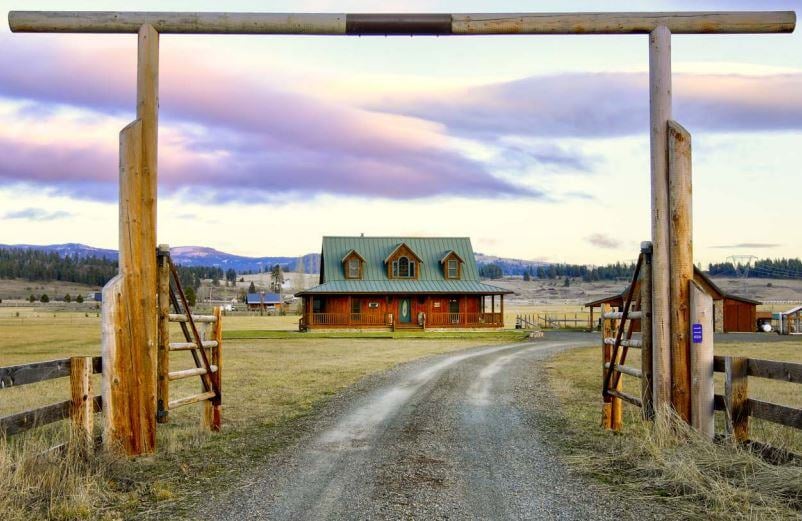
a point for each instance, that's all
(442, 438)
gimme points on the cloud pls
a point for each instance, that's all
(237, 137)
(755, 245)
(36, 214)
(609, 105)
(601, 240)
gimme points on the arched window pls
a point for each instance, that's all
(403, 267)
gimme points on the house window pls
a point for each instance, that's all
(353, 268)
(453, 306)
(356, 306)
(453, 269)
(403, 268)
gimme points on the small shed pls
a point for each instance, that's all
(731, 313)
(263, 301)
(790, 322)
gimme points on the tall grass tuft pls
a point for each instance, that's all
(38, 481)
(670, 461)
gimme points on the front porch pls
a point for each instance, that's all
(394, 312)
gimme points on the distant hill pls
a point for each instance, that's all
(204, 256)
(185, 256)
(508, 266)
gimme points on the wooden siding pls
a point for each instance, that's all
(338, 311)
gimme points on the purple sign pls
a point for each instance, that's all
(696, 333)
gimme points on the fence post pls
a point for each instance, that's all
(736, 396)
(211, 412)
(607, 403)
(82, 411)
(163, 382)
(646, 331)
(702, 394)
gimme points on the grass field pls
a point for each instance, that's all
(693, 476)
(269, 386)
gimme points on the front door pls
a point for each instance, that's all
(404, 310)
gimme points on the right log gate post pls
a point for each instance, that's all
(129, 328)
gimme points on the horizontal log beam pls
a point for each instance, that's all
(618, 315)
(770, 369)
(635, 342)
(186, 346)
(782, 414)
(626, 397)
(402, 24)
(625, 369)
(186, 373)
(180, 317)
(195, 398)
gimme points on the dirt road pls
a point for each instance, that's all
(443, 438)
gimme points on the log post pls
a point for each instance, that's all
(680, 264)
(607, 401)
(82, 411)
(736, 397)
(701, 319)
(660, 113)
(129, 346)
(163, 382)
(646, 331)
(215, 405)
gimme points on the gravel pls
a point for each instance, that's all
(448, 437)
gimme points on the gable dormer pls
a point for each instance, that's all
(403, 263)
(353, 264)
(452, 265)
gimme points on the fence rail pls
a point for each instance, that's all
(80, 407)
(735, 402)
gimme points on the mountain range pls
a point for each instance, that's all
(204, 256)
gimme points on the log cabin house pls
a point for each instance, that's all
(400, 282)
(731, 313)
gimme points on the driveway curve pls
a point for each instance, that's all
(442, 438)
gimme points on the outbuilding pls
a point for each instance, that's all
(731, 313)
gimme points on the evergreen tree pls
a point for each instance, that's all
(252, 288)
(191, 296)
(31, 299)
(67, 298)
(276, 278)
(44, 298)
(79, 299)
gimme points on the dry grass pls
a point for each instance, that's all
(669, 462)
(269, 387)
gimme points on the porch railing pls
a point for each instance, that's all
(464, 319)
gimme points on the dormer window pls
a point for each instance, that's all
(403, 263)
(404, 268)
(353, 268)
(452, 269)
(352, 265)
(452, 265)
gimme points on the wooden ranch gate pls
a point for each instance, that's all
(133, 293)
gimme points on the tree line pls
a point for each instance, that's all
(41, 266)
(761, 269)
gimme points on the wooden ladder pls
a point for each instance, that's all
(617, 330)
(206, 354)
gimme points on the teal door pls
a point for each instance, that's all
(404, 310)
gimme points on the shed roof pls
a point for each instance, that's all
(269, 298)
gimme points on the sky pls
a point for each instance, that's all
(536, 147)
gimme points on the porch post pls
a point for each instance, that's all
(502, 310)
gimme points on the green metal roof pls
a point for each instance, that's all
(431, 278)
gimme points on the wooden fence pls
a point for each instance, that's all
(80, 408)
(554, 320)
(735, 402)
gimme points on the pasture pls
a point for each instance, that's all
(269, 386)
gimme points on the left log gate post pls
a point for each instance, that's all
(130, 307)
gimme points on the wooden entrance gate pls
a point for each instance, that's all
(135, 289)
